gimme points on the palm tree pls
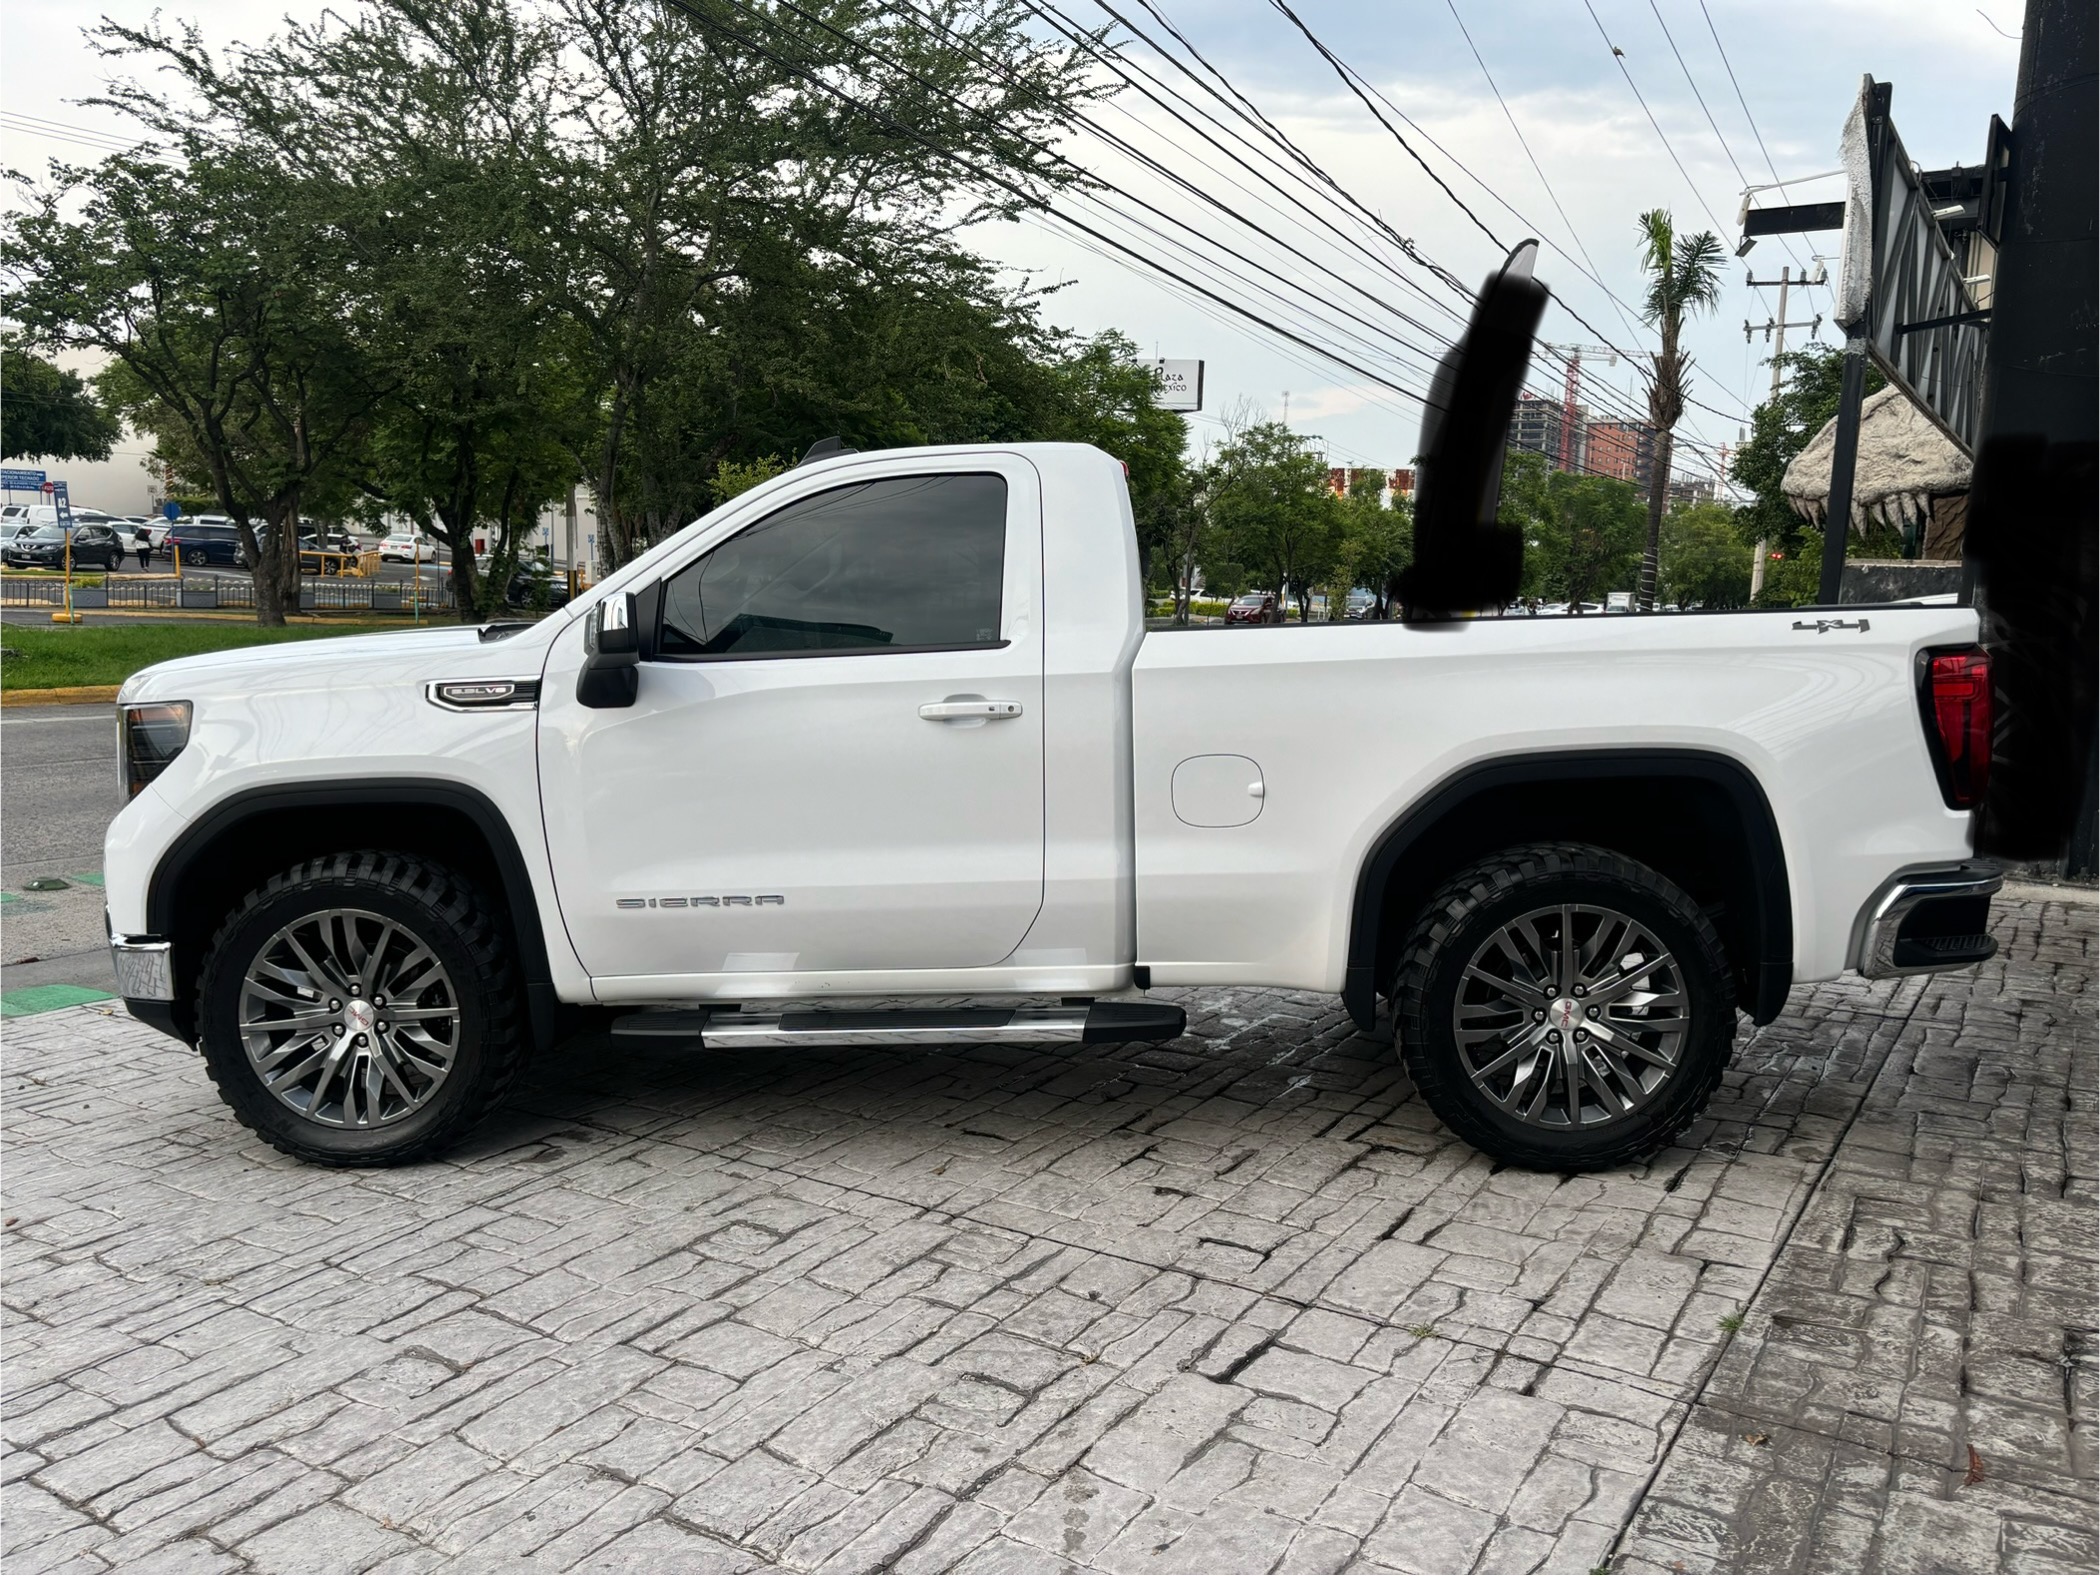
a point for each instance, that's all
(1684, 277)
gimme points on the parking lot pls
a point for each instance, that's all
(1233, 1303)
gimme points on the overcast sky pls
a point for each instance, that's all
(1798, 65)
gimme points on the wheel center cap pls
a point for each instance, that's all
(1564, 1014)
(361, 1015)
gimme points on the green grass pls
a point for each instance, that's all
(60, 658)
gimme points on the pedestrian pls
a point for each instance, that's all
(143, 545)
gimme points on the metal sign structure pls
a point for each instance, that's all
(1900, 285)
(1180, 385)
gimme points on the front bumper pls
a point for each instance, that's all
(1928, 921)
(145, 967)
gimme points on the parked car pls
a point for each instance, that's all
(44, 547)
(202, 542)
(1361, 605)
(1255, 607)
(401, 547)
(533, 586)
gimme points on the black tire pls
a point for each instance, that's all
(443, 911)
(1472, 908)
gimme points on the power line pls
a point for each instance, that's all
(1524, 143)
(1348, 77)
(1035, 200)
(1727, 151)
(1167, 237)
(1025, 197)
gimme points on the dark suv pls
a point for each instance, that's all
(202, 544)
(45, 547)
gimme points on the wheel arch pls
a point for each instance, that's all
(251, 835)
(1661, 806)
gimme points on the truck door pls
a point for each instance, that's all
(835, 759)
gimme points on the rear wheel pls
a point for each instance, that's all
(1563, 1007)
(360, 1010)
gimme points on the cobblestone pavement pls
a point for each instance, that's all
(1231, 1304)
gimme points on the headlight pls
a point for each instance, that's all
(149, 737)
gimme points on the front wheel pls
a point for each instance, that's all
(360, 1010)
(1564, 1008)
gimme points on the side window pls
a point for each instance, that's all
(898, 564)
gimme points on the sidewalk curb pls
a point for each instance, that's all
(76, 695)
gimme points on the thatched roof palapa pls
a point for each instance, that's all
(1905, 462)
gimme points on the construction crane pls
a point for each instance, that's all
(1572, 355)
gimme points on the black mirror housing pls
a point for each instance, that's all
(1465, 558)
(612, 655)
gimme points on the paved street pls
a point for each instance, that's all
(62, 792)
(1233, 1303)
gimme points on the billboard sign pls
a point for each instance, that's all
(12, 480)
(1180, 385)
(1900, 284)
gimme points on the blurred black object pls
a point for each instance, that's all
(1465, 559)
(2034, 499)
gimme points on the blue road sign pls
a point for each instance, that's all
(171, 510)
(12, 480)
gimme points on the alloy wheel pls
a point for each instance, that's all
(1571, 1016)
(349, 1018)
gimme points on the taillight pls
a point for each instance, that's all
(1956, 694)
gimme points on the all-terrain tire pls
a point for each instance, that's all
(439, 909)
(1472, 908)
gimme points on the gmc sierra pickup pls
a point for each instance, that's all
(891, 726)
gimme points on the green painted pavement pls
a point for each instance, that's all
(47, 998)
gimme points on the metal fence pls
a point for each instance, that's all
(206, 592)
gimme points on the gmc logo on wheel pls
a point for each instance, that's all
(732, 900)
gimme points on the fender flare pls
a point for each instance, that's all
(517, 894)
(1773, 926)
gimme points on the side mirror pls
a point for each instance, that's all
(612, 655)
(1465, 558)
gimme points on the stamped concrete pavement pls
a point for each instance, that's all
(1235, 1303)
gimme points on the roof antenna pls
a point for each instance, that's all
(825, 449)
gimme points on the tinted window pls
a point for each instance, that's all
(914, 561)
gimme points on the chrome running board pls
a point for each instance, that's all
(1095, 1023)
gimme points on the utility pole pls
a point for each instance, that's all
(1778, 325)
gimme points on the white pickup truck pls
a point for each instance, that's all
(891, 727)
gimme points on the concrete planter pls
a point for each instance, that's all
(199, 596)
(90, 596)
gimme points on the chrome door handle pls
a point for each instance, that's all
(961, 710)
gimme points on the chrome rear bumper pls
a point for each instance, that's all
(1928, 921)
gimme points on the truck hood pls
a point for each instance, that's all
(381, 660)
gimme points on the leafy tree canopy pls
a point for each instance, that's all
(50, 414)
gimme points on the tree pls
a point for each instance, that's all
(1269, 500)
(1378, 541)
(724, 152)
(215, 283)
(1684, 278)
(1582, 534)
(50, 414)
(1702, 558)
(1101, 393)
(1780, 429)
